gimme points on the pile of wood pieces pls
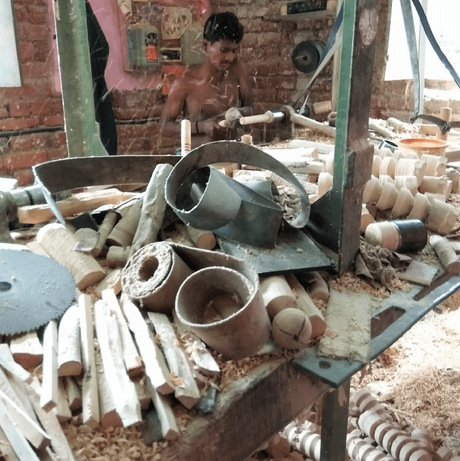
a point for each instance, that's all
(375, 433)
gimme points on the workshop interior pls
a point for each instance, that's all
(166, 301)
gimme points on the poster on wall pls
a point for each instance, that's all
(174, 22)
(10, 73)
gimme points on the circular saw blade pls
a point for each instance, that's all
(34, 290)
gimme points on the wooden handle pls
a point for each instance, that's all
(262, 118)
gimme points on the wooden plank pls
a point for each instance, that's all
(28, 427)
(27, 349)
(50, 424)
(78, 203)
(122, 388)
(275, 392)
(48, 398)
(7, 362)
(19, 443)
(131, 358)
(186, 391)
(154, 362)
(69, 343)
(89, 384)
(7, 450)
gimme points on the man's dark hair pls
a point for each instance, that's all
(223, 26)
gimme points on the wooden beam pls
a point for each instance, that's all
(90, 397)
(154, 362)
(186, 391)
(122, 388)
(48, 398)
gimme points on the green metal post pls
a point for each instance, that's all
(335, 217)
(76, 83)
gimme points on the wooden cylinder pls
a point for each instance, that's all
(446, 113)
(446, 254)
(441, 217)
(201, 238)
(123, 233)
(108, 223)
(403, 204)
(277, 294)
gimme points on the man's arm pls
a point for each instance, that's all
(245, 90)
(173, 107)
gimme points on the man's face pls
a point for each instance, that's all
(221, 54)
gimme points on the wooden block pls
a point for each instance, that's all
(78, 203)
(28, 427)
(27, 349)
(73, 393)
(154, 362)
(186, 389)
(90, 398)
(122, 388)
(446, 254)
(62, 410)
(418, 272)
(69, 343)
(131, 358)
(59, 242)
(7, 362)
(48, 397)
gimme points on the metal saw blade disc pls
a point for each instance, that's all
(34, 290)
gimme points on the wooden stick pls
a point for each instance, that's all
(78, 203)
(131, 358)
(27, 349)
(186, 391)
(446, 254)
(59, 242)
(108, 223)
(62, 410)
(153, 208)
(48, 397)
(50, 423)
(169, 428)
(7, 450)
(122, 388)
(15, 437)
(123, 232)
(91, 416)
(155, 366)
(73, 393)
(69, 343)
(201, 238)
(29, 428)
(7, 362)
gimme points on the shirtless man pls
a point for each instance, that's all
(204, 93)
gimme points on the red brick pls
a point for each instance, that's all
(18, 161)
(53, 120)
(26, 51)
(21, 109)
(35, 69)
(20, 143)
(4, 112)
(42, 107)
(20, 13)
(25, 177)
(38, 32)
(38, 14)
(57, 154)
(18, 123)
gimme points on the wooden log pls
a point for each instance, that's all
(90, 398)
(122, 388)
(107, 406)
(123, 232)
(69, 343)
(48, 397)
(107, 225)
(446, 254)
(59, 243)
(201, 238)
(131, 358)
(155, 366)
(186, 391)
(27, 349)
(306, 304)
(28, 427)
(50, 423)
(153, 208)
(78, 203)
(19, 443)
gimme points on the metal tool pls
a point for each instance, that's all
(34, 290)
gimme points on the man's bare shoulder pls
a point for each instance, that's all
(187, 79)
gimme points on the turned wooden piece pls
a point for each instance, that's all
(443, 454)
(384, 234)
(407, 449)
(403, 204)
(435, 165)
(317, 287)
(306, 304)
(376, 163)
(118, 256)
(446, 254)
(277, 294)
(381, 430)
(368, 422)
(411, 167)
(201, 238)
(389, 438)
(436, 185)
(372, 190)
(388, 197)
(60, 243)
(107, 225)
(366, 219)
(420, 455)
(409, 182)
(419, 208)
(424, 438)
(388, 166)
(153, 208)
(324, 183)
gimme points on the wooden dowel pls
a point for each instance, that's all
(69, 343)
(48, 397)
